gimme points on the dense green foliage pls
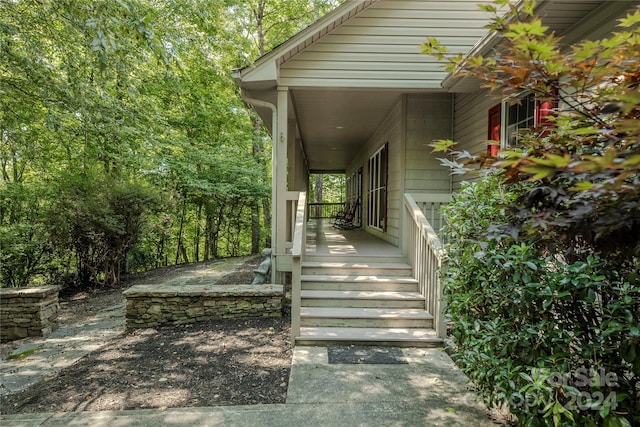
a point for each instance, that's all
(556, 341)
(124, 143)
(327, 188)
(544, 282)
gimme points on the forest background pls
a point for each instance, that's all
(124, 142)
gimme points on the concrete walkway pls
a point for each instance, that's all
(420, 387)
(60, 349)
(327, 387)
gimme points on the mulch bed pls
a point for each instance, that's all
(223, 362)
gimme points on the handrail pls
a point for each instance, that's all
(324, 210)
(290, 218)
(430, 205)
(426, 255)
(297, 252)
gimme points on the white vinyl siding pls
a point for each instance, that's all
(380, 46)
(471, 125)
(389, 132)
(428, 119)
(414, 121)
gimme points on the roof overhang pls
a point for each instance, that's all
(259, 82)
(335, 120)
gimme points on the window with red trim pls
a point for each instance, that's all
(527, 113)
(521, 115)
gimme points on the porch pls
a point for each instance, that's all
(351, 287)
(325, 240)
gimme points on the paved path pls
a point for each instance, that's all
(62, 348)
(327, 387)
(427, 390)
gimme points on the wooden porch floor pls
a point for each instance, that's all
(324, 239)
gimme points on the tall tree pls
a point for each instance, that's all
(109, 109)
(264, 24)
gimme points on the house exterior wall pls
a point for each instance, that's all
(428, 119)
(390, 131)
(297, 170)
(471, 125)
(380, 47)
(411, 124)
(472, 109)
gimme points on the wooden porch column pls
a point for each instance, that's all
(280, 177)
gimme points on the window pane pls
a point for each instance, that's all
(377, 190)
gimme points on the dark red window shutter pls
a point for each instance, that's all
(495, 118)
(494, 123)
(545, 109)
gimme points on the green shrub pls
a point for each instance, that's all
(557, 341)
(25, 253)
(99, 219)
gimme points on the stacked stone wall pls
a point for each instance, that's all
(155, 305)
(27, 312)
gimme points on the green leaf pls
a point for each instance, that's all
(616, 421)
(582, 186)
(539, 172)
(552, 160)
(526, 377)
(442, 145)
(488, 8)
(630, 20)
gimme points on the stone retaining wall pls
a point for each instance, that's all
(27, 312)
(154, 305)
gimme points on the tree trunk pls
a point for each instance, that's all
(207, 235)
(196, 243)
(255, 228)
(182, 217)
(258, 146)
(319, 184)
(183, 251)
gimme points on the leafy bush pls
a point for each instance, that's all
(544, 280)
(99, 218)
(25, 253)
(584, 158)
(556, 341)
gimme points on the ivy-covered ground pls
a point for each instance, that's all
(229, 362)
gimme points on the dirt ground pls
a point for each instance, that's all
(223, 362)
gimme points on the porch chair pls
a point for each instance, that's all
(346, 220)
(341, 214)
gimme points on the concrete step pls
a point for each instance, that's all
(365, 317)
(397, 337)
(357, 268)
(349, 282)
(370, 299)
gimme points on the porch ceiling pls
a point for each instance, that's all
(335, 123)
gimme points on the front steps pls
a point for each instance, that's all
(372, 301)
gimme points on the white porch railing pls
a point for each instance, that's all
(425, 254)
(290, 217)
(324, 210)
(297, 252)
(430, 205)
